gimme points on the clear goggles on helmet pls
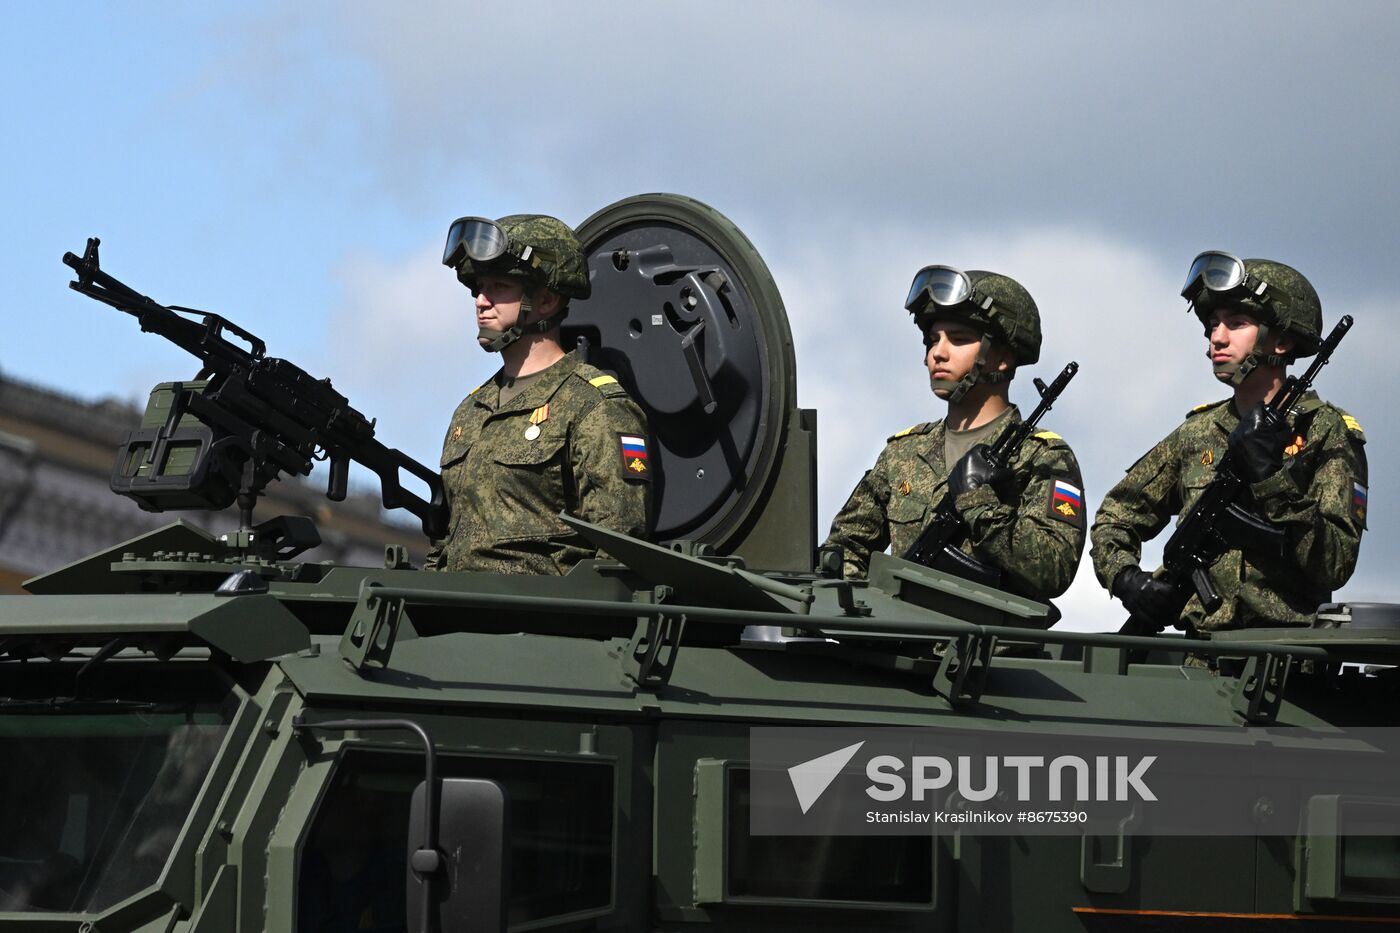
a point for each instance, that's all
(474, 238)
(1219, 274)
(942, 287)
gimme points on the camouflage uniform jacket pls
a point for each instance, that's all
(1032, 536)
(1319, 498)
(506, 489)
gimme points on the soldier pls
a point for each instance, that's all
(548, 432)
(1308, 478)
(1028, 522)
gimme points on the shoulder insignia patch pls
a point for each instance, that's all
(1048, 436)
(1358, 504)
(922, 427)
(1066, 503)
(1205, 406)
(607, 386)
(635, 464)
(1351, 423)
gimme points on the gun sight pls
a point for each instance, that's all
(86, 266)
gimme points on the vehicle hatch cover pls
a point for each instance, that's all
(687, 316)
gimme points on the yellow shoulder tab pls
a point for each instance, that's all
(607, 386)
(1048, 436)
(921, 428)
(1353, 427)
(1201, 407)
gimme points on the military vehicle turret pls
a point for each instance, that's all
(202, 734)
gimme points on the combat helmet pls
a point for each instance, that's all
(997, 305)
(1276, 295)
(536, 248)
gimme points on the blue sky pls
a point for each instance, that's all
(294, 167)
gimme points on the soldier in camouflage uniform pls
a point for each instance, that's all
(548, 432)
(1308, 477)
(1027, 522)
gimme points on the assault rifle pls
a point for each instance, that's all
(244, 420)
(1217, 522)
(937, 544)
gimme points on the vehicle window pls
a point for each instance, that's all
(1369, 848)
(91, 815)
(353, 869)
(1371, 867)
(876, 869)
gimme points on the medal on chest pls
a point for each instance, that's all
(537, 417)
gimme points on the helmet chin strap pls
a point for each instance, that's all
(956, 390)
(1239, 372)
(498, 340)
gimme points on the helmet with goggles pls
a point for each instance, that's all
(534, 248)
(997, 305)
(1276, 295)
(541, 250)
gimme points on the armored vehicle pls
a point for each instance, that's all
(204, 734)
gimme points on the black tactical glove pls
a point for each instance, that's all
(1145, 597)
(976, 469)
(1256, 445)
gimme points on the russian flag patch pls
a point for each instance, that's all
(1066, 502)
(1358, 503)
(635, 464)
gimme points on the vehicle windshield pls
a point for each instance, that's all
(94, 794)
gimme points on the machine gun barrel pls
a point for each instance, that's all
(1217, 522)
(937, 544)
(203, 339)
(257, 416)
